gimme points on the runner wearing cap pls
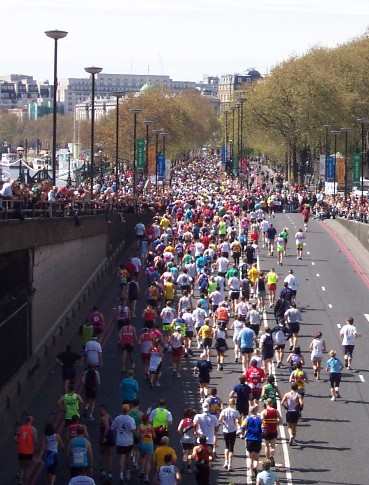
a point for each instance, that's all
(124, 426)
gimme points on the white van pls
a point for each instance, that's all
(356, 188)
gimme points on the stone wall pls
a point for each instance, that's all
(70, 266)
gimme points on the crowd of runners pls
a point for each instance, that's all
(207, 305)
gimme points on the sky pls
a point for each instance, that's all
(184, 39)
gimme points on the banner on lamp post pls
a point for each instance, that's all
(161, 166)
(330, 168)
(235, 163)
(140, 155)
(356, 168)
(322, 166)
(224, 154)
(152, 153)
(340, 170)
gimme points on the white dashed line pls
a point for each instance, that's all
(318, 275)
(313, 263)
(366, 315)
(329, 305)
(323, 288)
(307, 252)
(338, 325)
(361, 378)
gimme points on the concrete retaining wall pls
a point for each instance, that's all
(358, 229)
(71, 267)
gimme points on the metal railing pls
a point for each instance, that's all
(18, 209)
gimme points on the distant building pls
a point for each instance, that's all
(229, 83)
(18, 90)
(73, 91)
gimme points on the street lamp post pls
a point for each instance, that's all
(164, 150)
(346, 131)
(326, 127)
(56, 35)
(335, 133)
(101, 165)
(93, 71)
(226, 112)
(233, 109)
(363, 122)
(135, 112)
(69, 178)
(241, 101)
(117, 95)
(20, 151)
(147, 123)
(156, 133)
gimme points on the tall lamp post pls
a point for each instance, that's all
(147, 123)
(135, 112)
(93, 71)
(69, 178)
(226, 112)
(117, 95)
(164, 134)
(156, 132)
(335, 133)
(363, 122)
(346, 131)
(233, 109)
(241, 101)
(326, 127)
(56, 35)
(20, 151)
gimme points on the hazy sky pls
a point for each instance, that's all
(181, 38)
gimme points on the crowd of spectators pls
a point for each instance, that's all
(20, 200)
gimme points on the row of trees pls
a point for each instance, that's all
(285, 112)
(188, 117)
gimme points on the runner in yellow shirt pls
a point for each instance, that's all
(271, 281)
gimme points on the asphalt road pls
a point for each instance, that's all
(331, 438)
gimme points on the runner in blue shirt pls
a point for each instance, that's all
(334, 367)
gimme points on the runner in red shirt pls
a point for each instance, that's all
(255, 378)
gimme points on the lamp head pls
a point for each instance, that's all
(56, 34)
(93, 70)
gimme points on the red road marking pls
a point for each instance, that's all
(348, 255)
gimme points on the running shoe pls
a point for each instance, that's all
(272, 462)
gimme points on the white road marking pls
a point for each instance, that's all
(323, 288)
(339, 325)
(329, 305)
(318, 275)
(313, 263)
(366, 315)
(282, 431)
(361, 378)
(307, 252)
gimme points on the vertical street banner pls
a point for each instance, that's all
(140, 155)
(340, 170)
(356, 168)
(161, 166)
(152, 164)
(322, 166)
(330, 168)
(224, 154)
(235, 163)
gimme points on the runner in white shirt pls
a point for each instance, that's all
(206, 424)
(349, 333)
(124, 426)
(230, 419)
